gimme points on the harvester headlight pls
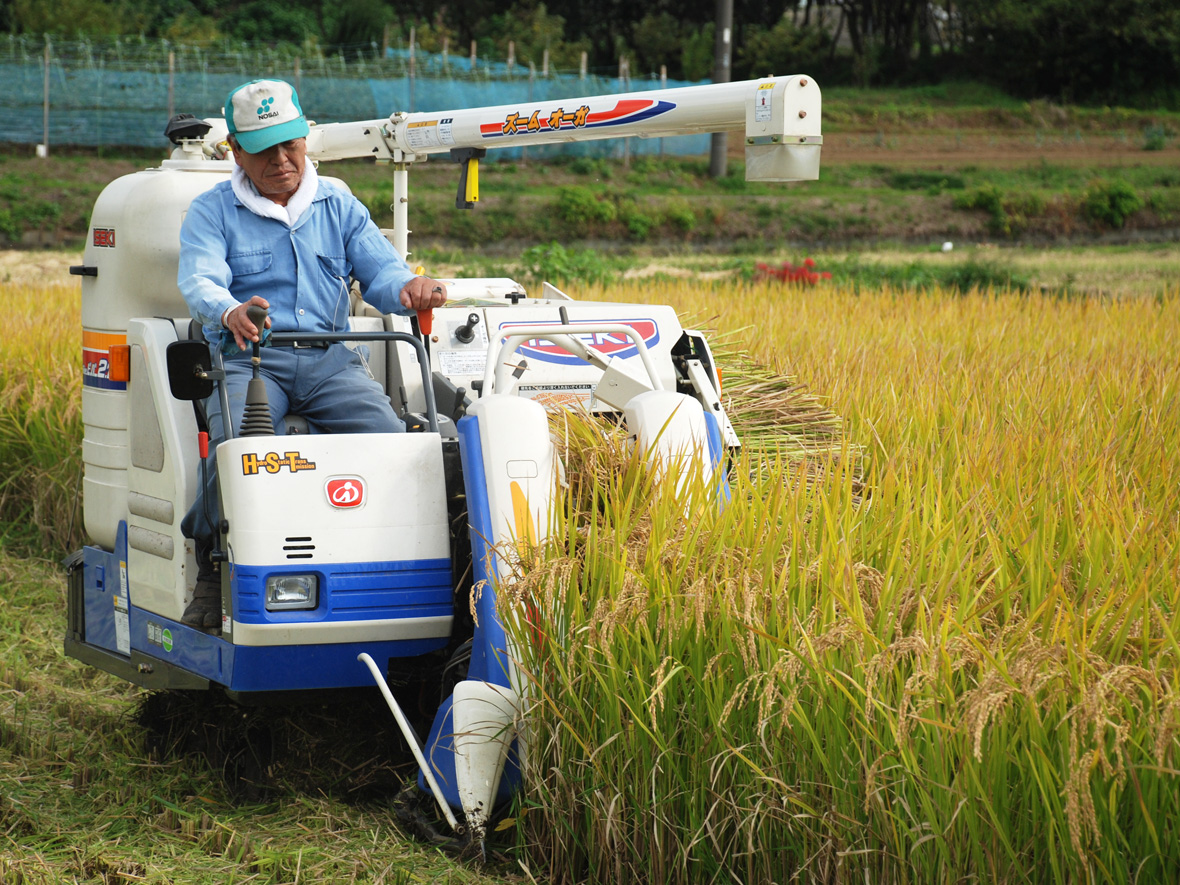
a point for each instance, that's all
(286, 592)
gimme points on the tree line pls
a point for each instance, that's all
(1095, 52)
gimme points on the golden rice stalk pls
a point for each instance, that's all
(770, 409)
(40, 416)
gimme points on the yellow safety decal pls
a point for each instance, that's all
(526, 530)
(472, 195)
(273, 462)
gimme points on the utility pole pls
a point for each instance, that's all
(721, 54)
(171, 83)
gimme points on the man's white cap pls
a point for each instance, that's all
(263, 113)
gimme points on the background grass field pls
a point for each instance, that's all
(947, 649)
(914, 166)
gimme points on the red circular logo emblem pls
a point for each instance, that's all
(346, 491)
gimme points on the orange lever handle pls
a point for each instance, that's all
(426, 321)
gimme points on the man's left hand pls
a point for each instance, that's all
(423, 293)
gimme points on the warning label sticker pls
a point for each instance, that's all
(429, 133)
(762, 107)
(423, 134)
(462, 362)
(554, 395)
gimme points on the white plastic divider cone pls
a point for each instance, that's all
(669, 429)
(485, 718)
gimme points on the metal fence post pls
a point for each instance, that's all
(663, 85)
(43, 148)
(413, 36)
(524, 151)
(624, 77)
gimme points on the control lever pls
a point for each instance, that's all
(425, 321)
(256, 314)
(426, 317)
(256, 417)
(460, 408)
(465, 334)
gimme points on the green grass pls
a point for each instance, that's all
(90, 795)
(965, 104)
(673, 201)
(963, 276)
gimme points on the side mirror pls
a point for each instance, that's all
(190, 370)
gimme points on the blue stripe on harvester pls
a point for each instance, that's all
(717, 454)
(353, 591)
(488, 655)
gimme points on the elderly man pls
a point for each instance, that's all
(277, 236)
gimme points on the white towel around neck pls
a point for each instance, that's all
(245, 191)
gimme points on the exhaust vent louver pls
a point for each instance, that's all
(299, 548)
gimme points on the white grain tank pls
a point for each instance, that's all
(129, 270)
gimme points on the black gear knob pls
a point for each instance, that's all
(465, 334)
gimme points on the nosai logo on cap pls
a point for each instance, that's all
(263, 113)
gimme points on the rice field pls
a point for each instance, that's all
(937, 643)
(40, 416)
(945, 653)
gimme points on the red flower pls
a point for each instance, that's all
(788, 273)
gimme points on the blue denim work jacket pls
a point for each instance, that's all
(228, 254)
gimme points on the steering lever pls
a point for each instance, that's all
(256, 314)
(256, 417)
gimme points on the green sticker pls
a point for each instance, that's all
(167, 640)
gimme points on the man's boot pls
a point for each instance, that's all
(204, 611)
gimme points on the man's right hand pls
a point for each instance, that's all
(239, 323)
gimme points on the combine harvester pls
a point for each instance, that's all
(344, 555)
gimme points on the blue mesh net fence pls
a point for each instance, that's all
(121, 92)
